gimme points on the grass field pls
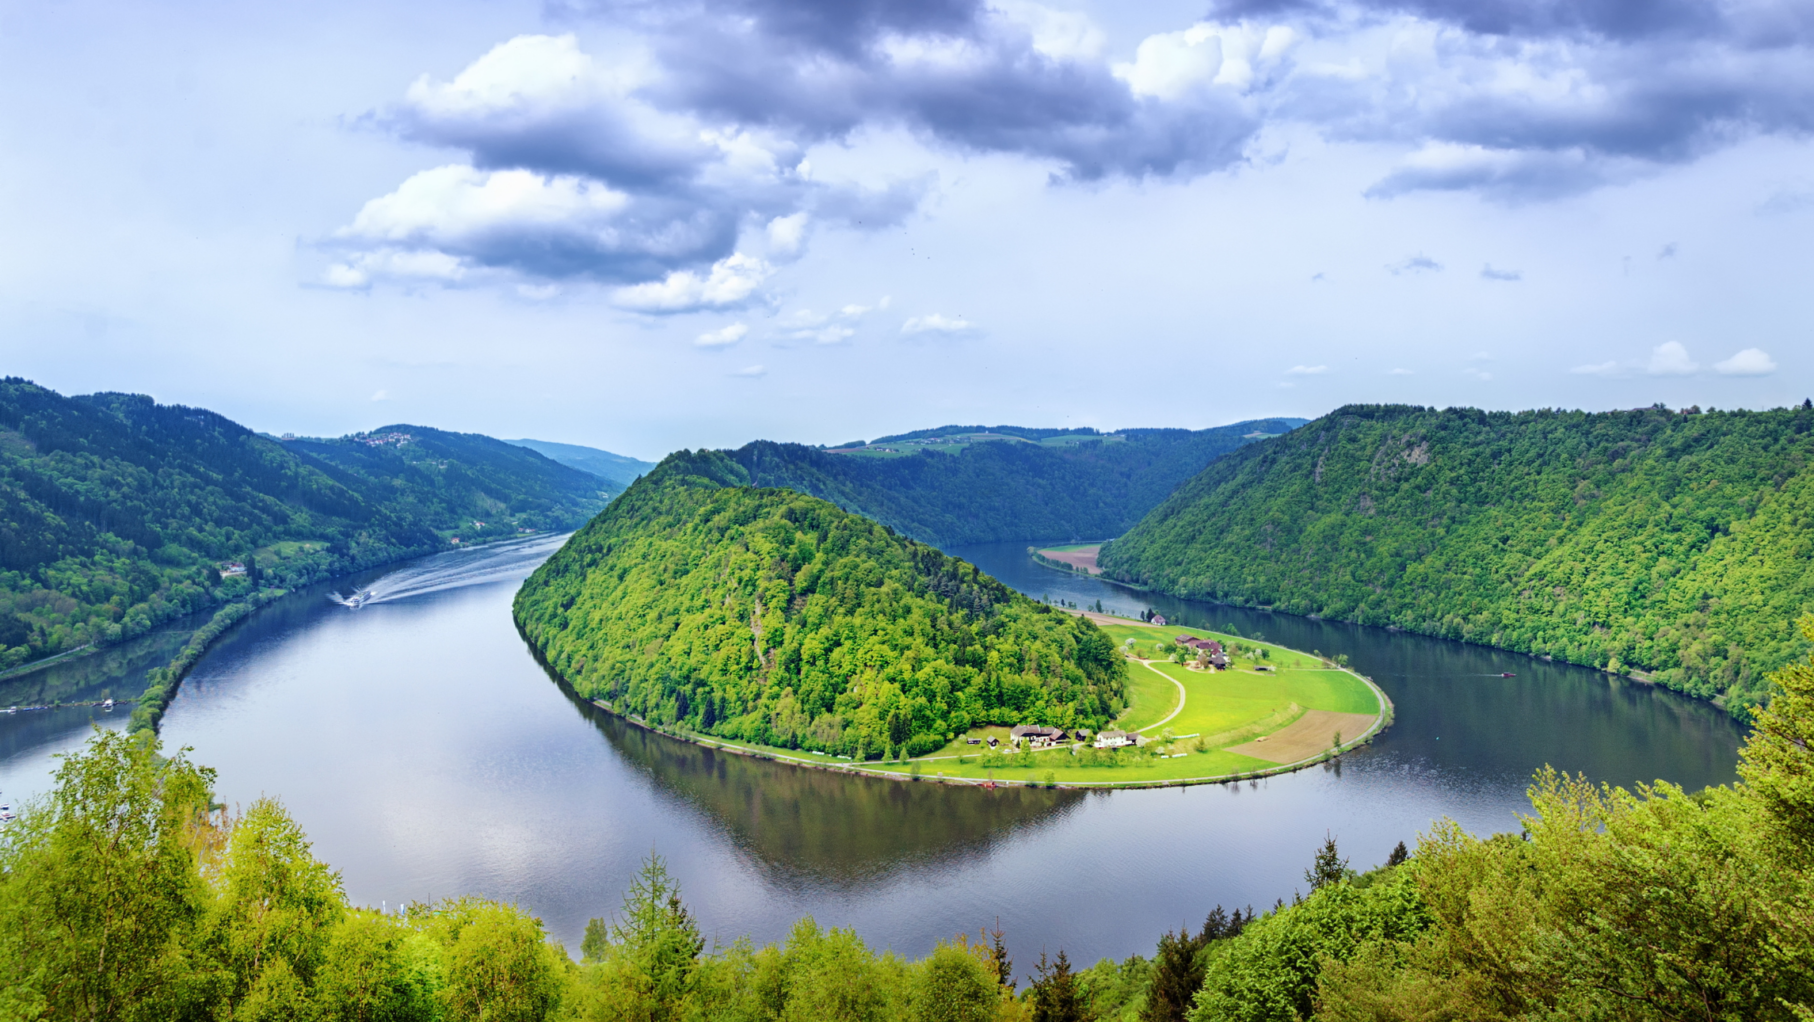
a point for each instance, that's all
(1274, 708)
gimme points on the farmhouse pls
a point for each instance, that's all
(1036, 737)
(1116, 739)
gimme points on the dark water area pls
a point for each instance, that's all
(29, 737)
(1455, 712)
(427, 754)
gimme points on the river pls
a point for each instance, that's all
(426, 754)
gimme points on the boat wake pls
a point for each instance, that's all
(455, 570)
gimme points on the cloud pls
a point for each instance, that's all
(1525, 100)
(1671, 359)
(1171, 65)
(731, 283)
(1597, 369)
(1399, 372)
(751, 372)
(1302, 370)
(381, 395)
(1488, 273)
(786, 234)
(1750, 362)
(825, 328)
(1666, 252)
(723, 337)
(935, 323)
(1416, 264)
(963, 74)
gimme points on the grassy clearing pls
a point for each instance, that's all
(1270, 695)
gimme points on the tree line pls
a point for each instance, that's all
(765, 615)
(1671, 545)
(128, 893)
(117, 512)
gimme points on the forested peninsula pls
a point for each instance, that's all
(118, 513)
(1671, 545)
(1034, 484)
(768, 616)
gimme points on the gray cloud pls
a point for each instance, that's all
(644, 175)
(960, 73)
(1488, 273)
(1554, 97)
(1416, 264)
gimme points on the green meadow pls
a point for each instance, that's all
(1190, 718)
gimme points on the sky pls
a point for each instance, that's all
(651, 225)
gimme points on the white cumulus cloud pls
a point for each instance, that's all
(1750, 362)
(732, 281)
(722, 338)
(1671, 359)
(936, 323)
(1302, 370)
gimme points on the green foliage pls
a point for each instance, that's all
(1003, 490)
(654, 942)
(772, 617)
(1779, 756)
(1329, 867)
(1674, 544)
(1054, 994)
(99, 886)
(953, 984)
(1269, 972)
(162, 682)
(117, 512)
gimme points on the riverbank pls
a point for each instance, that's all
(1280, 712)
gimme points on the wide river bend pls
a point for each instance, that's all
(426, 754)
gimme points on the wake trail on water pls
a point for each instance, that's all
(454, 570)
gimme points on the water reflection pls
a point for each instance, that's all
(426, 753)
(1456, 712)
(815, 827)
(29, 738)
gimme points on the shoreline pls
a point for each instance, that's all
(903, 770)
(1641, 676)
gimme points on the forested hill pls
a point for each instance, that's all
(117, 513)
(616, 469)
(1677, 545)
(770, 616)
(1040, 485)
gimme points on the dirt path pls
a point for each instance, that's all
(1182, 696)
(1310, 734)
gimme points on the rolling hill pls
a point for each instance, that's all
(944, 487)
(617, 469)
(117, 513)
(765, 615)
(1675, 546)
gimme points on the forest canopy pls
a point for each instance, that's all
(1092, 488)
(117, 513)
(1673, 545)
(773, 617)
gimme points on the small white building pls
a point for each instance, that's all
(1116, 739)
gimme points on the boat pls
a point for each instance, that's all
(107, 705)
(1508, 674)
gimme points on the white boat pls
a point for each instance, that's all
(108, 705)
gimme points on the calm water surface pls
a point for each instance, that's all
(427, 755)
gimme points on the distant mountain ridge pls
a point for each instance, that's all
(1001, 490)
(617, 469)
(1675, 545)
(117, 513)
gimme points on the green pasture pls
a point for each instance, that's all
(1237, 704)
